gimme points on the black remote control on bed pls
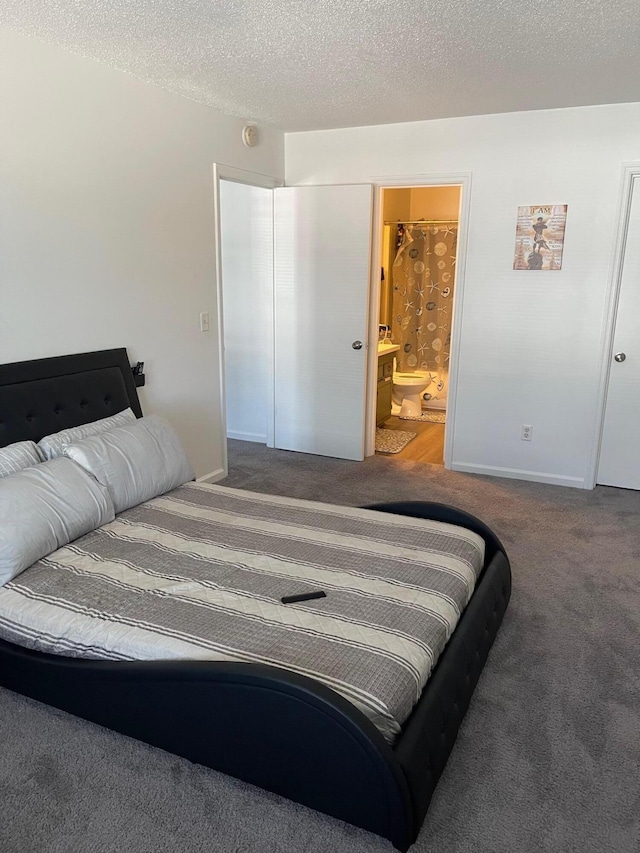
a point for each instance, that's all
(304, 596)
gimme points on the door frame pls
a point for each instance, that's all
(255, 179)
(382, 182)
(630, 172)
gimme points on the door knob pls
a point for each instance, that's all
(357, 345)
(620, 356)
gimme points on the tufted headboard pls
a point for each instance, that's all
(50, 394)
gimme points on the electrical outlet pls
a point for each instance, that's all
(527, 432)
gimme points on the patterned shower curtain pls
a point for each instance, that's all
(423, 282)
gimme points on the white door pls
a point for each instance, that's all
(322, 281)
(620, 450)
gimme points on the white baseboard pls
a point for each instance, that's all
(520, 474)
(213, 477)
(247, 436)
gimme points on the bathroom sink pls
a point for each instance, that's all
(383, 348)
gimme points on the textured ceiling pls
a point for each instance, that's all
(307, 64)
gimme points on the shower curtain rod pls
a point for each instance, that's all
(419, 221)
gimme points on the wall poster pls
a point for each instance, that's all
(540, 237)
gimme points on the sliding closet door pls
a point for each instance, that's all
(322, 275)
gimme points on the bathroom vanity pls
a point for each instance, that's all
(386, 356)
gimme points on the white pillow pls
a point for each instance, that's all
(135, 462)
(15, 457)
(53, 445)
(43, 508)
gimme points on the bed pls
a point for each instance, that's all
(312, 737)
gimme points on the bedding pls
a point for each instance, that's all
(199, 573)
(53, 445)
(136, 461)
(15, 457)
(44, 507)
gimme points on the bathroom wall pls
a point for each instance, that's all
(396, 208)
(106, 221)
(397, 204)
(435, 202)
(531, 342)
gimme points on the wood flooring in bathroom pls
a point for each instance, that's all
(427, 446)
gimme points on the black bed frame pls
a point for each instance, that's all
(283, 732)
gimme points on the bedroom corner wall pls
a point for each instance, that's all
(532, 342)
(106, 225)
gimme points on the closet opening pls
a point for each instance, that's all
(243, 234)
(418, 251)
(246, 243)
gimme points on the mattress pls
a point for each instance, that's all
(198, 573)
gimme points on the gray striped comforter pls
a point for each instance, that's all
(199, 573)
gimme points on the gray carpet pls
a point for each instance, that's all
(548, 758)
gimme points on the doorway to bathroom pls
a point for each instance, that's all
(322, 253)
(418, 246)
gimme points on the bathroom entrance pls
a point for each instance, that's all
(280, 275)
(419, 247)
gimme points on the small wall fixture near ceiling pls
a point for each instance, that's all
(250, 136)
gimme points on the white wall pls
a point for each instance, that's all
(106, 225)
(532, 342)
(246, 217)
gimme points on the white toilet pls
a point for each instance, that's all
(407, 393)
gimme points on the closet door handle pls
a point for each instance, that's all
(620, 356)
(357, 345)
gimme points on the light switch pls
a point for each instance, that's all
(204, 321)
